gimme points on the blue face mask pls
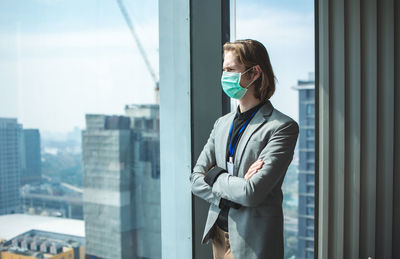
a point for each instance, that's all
(230, 84)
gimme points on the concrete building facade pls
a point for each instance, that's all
(121, 185)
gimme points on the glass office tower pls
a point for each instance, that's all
(306, 167)
(32, 164)
(10, 165)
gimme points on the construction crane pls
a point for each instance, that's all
(140, 47)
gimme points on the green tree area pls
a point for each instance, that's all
(63, 167)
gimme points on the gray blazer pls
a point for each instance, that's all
(256, 229)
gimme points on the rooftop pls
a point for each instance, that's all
(13, 225)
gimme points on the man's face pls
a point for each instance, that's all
(232, 64)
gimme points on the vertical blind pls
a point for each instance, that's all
(358, 128)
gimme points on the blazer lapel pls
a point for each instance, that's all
(259, 118)
(223, 140)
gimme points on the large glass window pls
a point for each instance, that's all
(79, 128)
(286, 28)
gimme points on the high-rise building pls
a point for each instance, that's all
(145, 123)
(121, 184)
(31, 162)
(306, 167)
(107, 182)
(10, 165)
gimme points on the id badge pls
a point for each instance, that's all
(230, 166)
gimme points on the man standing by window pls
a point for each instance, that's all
(243, 164)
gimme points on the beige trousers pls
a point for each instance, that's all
(220, 244)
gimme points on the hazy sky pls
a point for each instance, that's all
(286, 28)
(61, 59)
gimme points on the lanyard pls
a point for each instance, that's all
(232, 146)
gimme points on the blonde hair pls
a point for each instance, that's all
(251, 53)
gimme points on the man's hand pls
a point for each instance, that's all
(209, 169)
(254, 169)
(224, 203)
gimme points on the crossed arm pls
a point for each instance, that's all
(205, 162)
(260, 178)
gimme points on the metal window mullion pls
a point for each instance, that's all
(209, 31)
(338, 73)
(175, 134)
(324, 128)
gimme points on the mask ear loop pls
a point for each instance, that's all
(251, 81)
(246, 70)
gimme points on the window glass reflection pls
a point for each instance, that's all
(79, 129)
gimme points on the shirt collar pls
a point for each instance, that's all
(247, 114)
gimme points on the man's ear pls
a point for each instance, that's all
(257, 71)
